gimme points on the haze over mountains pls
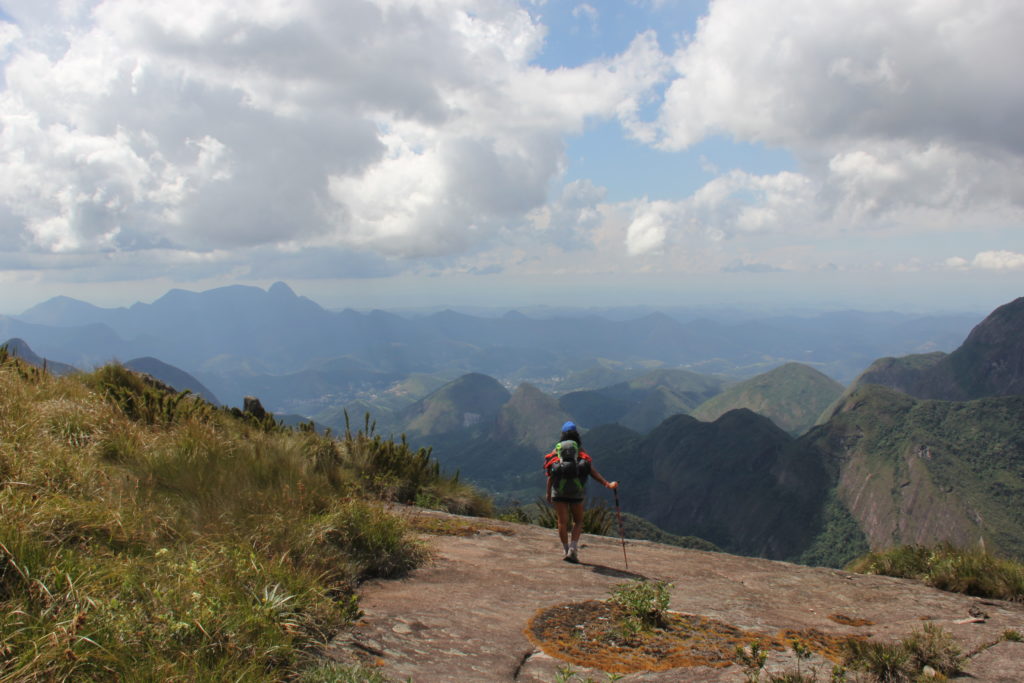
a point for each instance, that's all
(709, 422)
(299, 357)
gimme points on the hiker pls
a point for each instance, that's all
(567, 468)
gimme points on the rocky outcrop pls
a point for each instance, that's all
(463, 617)
(252, 406)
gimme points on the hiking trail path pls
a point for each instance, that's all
(463, 615)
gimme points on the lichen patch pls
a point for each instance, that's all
(591, 634)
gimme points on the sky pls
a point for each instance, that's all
(397, 153)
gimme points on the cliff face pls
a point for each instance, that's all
(990, 362)
(739, 482)
(913, 471)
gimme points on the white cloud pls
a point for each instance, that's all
(383, 130)
(998, 260)
(731, 205)
(407, 127)
(957, 262)
(900, 114)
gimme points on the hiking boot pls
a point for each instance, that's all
(571, 556)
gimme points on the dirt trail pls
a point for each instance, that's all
(462, 616)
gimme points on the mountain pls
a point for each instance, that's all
(739, 482)
(990, 362)
(921, 471)
(277, 332)
(642, 403)
(792, 396)
(17, 347)
(173, 377)
(84, 346)
(531, 418)
(464, 402)
(602, 373)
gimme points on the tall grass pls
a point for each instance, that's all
(905, 660)
(973, 572)
(147, 535)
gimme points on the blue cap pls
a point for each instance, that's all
(569, 426)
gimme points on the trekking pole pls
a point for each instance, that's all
(622, 530)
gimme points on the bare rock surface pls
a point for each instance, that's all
(463, 616)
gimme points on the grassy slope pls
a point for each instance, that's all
(792, 396)
(445, 409)
(149, 536)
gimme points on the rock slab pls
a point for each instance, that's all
(462, 616)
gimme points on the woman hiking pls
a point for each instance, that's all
(567, 468)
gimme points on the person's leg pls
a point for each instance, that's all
(576, 510)
(562, 513)
(577, 521)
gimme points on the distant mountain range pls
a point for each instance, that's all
(883, 468)
(299, 357)
(988, 363)
(706, 423)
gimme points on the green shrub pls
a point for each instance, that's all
(934, 647)
(376, 544)
(906, 659)
(973, 572)
(645, 601)
(885, 662)
(752, 658)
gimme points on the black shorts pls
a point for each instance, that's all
(562, 499)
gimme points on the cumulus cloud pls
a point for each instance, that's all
(898, 114)
(372, 131)
(733, 204)
(403, 127)
(989, 260)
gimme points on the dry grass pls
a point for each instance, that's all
(147, 535)
(589, 634)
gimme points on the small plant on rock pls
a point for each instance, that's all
(934, 647)
(886, 662)
(645, 601)
(566, 674)
(752, 659)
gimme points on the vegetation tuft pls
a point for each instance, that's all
(148, 535)
(905, 660)
(598, 518)
(973, 572)
(644, 603)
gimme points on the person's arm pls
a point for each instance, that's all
(547, 473)
(601, 480)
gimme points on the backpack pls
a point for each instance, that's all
(569, 471)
